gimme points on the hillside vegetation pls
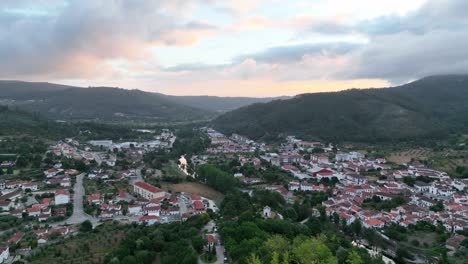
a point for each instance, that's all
(106, 103)
(14, 122)
(432, 107)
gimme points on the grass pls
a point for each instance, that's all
(84, 248)
(171, 169)
(208, 258)
(428, 244)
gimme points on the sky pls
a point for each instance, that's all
(232, 47)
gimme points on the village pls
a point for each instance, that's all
(101, 180)
(55, 206)
(414, 192)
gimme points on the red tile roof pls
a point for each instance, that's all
(148, 187)
(198, 205)
(62, 192)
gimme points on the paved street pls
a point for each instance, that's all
(219, 249)
(78, 216)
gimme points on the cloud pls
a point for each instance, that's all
(89, 31)
(114, 41)
(410, 56)
(293, 53)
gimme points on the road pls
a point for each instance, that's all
(138, 177)
(79, 215)
(219, 248)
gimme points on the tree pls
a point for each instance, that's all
(253, 259)
(439, 206)
(336, 218)
(356, 227)
(312, 250)
(354, 258)
(275, 258)
(86, 226)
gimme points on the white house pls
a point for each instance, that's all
(149, 219)
(266, 212)
(4, 254)
(134, 209)
(62, 197)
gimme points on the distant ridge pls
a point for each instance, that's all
(431, 107)
(106, 103)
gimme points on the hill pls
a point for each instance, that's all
(105, 103)
(221, 104)
(431, 107)
(16, 123)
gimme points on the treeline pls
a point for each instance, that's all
(168, 243)
(251, 239)
(216, 178)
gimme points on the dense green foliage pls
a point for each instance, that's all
(251, 239)
(429, 108)
(15, 122)
(8, 221)
(216, 178)
(376, 203)
(171, 243)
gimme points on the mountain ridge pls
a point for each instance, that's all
(70, 102)
(410, 111)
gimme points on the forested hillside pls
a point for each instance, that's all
(106, 103)
(14, 122)
(431, 107)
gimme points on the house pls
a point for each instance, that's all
(30, 185)
(134, 209)
(349, 218)
(211, 240)
(147, 190)
(290, 158)
(153, 210)
(5, 205)
(373, 223)
(106, 213)
(4, 254)
(52, 172)
(15, 238)
(266, 212)
(421, 187)
(94, 198)
(62, 197)
(294, 186)
(149, 219)
(12, 196)
(34, 211)
(199, 207)
(454, 242)
(65, 182)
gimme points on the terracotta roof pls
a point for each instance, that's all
(198, 205)
(148, 187)
(62, 192)
(374, 222)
